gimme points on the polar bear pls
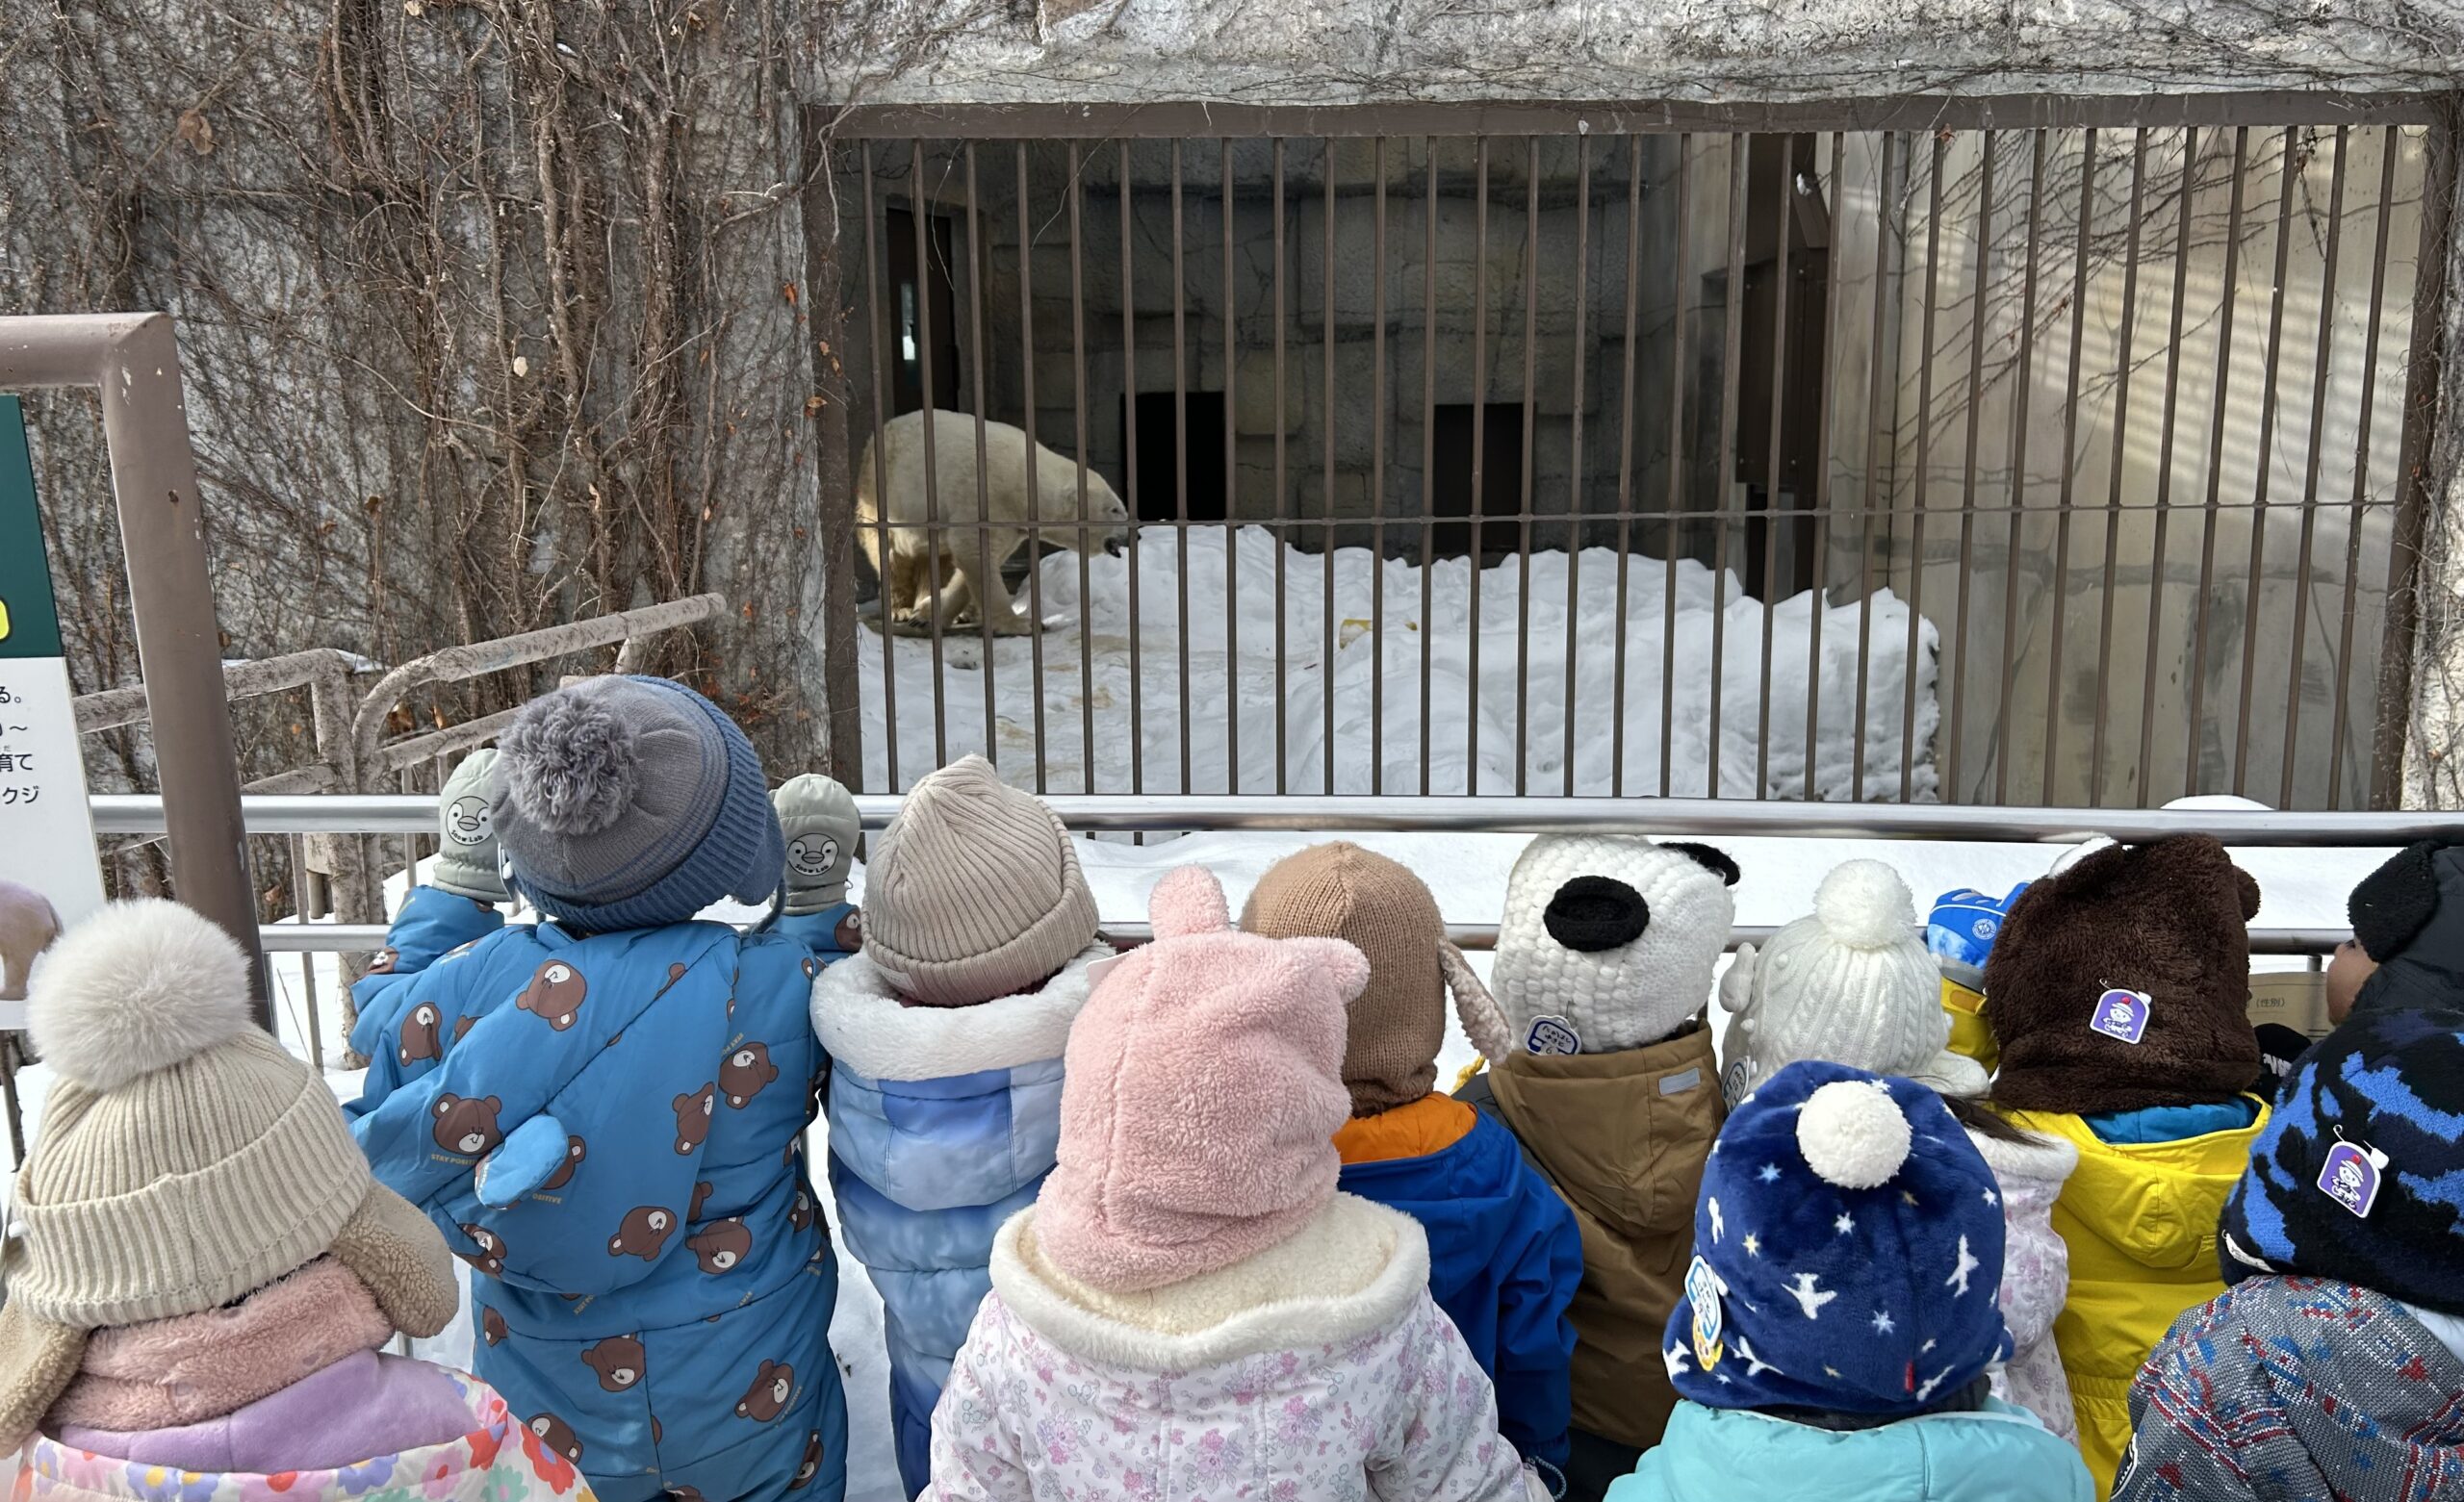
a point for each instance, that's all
(908, 574)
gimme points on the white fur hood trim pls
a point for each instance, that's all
(863, 1025)
(2047, 1159)
(1354, 1227)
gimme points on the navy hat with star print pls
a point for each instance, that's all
(1847, 1252)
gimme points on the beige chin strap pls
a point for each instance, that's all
(1483, 1021)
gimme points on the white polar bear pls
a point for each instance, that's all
(907, 574)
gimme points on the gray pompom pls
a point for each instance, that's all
(568, 765)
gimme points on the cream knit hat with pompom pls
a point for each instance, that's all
(1850, 983)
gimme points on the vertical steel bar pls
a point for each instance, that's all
(1574, 499)
(1682, 272)
(1950, 784)
(1377, 481)
(307, 962)
(2254, 589)
(1027, 458)
(1231, 491)
(1880, 430)
(2022, 383)
(878, 336)
(1782, 216)
(1530, 374)
(1129, 445)
(1724, 482)
(1924, 466)
(1181, 459)
(2123, 375)
(2069, 457)
(1822, 474)
(1077, 191)
(1282, 494)
(1626, 460)
(1326, 434)
(1477, 528)
(988, 578)
(2311, 461)
(2215, 464)
(2362, 424)
(2164, 463)
(935, 537)
(1429, 444)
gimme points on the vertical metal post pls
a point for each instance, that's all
(2124, 378)
(2256, 575)
(1822, 474)
(2364, 424)
(1782, 215)
(1922, 497)
(1724, 480)
(1027, 458)
(1377, 481)
(1076, 188)
(2070, 455)
(1129, 442)
(2319, 370)
(1574, 498)
(1181, 461)
(1429, 446)
(1231, 497)
(2216, 465)
(1478, 527)
(1682, 287)
(987, 567)
(2020, 385)
(1530, 374)
(2165, 466)
(1950, 783)
(1625, 459)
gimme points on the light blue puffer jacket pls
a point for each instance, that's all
(1998, 1454)
(943, 1122)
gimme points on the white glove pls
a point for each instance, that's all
(466, 857)
(819, 819)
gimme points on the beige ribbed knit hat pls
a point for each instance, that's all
(973, 891)
(1398, 1024)
(185, 1158)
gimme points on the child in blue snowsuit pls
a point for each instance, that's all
(602, 1111)
(946, 1038)
(1505, 1255)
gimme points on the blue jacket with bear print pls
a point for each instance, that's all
(607, 1128)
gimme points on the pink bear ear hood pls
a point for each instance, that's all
(1203, 1089)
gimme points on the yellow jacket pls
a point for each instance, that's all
(1969, 1034)
(2140, 1221)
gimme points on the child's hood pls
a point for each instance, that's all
(1471, 1195)
(864, 1025)
(2158, 1202)
(2413, 907)
(1998, 1454)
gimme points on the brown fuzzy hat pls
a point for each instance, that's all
(2167, 920)
(1396, 1027)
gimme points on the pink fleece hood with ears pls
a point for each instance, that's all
(1203, 1089)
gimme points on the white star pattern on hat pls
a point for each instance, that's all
(1846, 1225)
(1991, 1198)
(1883, 1324)
(1753, 1244)
(1769, 1173)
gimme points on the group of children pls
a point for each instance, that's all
(2011, 1207)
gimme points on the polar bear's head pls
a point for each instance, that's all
(1058, 499)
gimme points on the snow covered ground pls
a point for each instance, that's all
(1233, 691)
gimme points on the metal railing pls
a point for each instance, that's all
(1982, 450)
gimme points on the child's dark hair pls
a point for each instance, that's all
(1973, 1114)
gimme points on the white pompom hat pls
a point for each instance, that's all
(185, 1158)
(1851, 984)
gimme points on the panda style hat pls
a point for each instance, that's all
(185, 1160)
(1609, 943)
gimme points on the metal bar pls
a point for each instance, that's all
(1784, 216)
(987, 580)
(2255, 575)
(2310, 465)
(2124, 378)
(923, 216)
(878, 336)
(1924, 466)
(1429, 446)
(1574, 497)
(1326, 434)
(133, 361)
(1724, 478)
(2424, 374)
(2215, 464)
(316, 1024)
(1231, 494)
(1950, 782)
(381, 813)
(1181, 458)
(2061, 103)
(1529, 502)
(1076, 188)
(1027, 459)
(2069, 458)
(1830, 303)
(2361, 464)
(1377, 477)
(111, 707)
(1626, 461)
(2164, 464)
(1682, 272)
(1880, 432)
(1282, 494)
(1477, 526)
(2022, 383)
(1129, 440)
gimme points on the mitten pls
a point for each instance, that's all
(820, 823)
(466, 857)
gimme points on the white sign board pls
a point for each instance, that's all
(49, 875)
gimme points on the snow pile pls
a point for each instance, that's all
(1232, 691)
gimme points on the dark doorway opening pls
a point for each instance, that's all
(1167, 459)
(1501, 488)
(923, 314)
(1780, 565)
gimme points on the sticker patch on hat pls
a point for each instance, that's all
(2122, 1015)
(1703, 1290)
(2351, 1175)
(1552, 1035)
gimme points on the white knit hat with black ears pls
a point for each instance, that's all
(1850, 982)
(185, 1158)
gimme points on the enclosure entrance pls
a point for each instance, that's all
(1990, 451)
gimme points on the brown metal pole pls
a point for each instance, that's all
(133, 360)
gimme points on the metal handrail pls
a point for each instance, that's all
(386, 813)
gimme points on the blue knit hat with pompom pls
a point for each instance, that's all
(628, 803)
